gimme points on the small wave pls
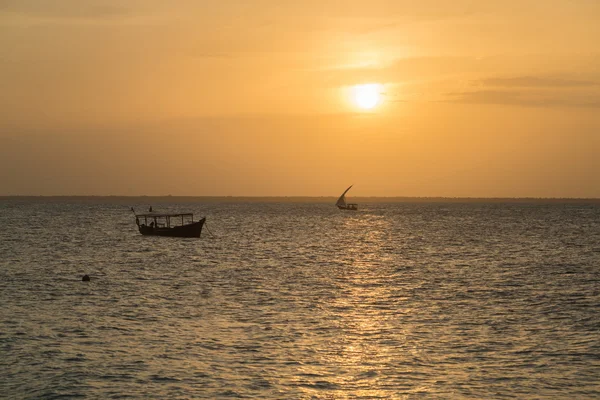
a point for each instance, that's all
(321, 385)
(160, 378)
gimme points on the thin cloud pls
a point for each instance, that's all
(516, 98)
(65, 10)
(404, 70)
(536, 82)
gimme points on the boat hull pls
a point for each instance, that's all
(349, 207)
(192, 230)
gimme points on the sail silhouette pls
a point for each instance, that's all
(341, 202)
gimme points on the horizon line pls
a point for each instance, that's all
(297, 197)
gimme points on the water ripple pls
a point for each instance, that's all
(302, 301)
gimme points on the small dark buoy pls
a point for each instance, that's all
(86, 278)
(150, 209)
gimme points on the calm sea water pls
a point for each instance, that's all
(301, 301)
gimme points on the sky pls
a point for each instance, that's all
(256, 98)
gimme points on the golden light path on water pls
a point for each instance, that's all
(368, 327)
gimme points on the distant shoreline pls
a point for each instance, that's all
(299, 199)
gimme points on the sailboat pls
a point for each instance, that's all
(341, 202)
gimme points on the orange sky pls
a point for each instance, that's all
(251, 98)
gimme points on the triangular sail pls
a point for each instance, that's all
(342, 200)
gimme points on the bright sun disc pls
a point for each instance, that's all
(367, 96)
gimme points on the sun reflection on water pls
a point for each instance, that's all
(367, 330)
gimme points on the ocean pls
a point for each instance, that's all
(299, 300)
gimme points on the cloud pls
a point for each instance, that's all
(64, 9)
(402, 70)
(519, 98)
(530, 91)
(536, 82)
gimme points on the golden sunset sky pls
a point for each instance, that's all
(257, 97)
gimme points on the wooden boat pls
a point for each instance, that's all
(174, 225)
(342, 205)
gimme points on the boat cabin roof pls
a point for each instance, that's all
(159, 215)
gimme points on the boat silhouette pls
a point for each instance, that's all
(341, 202)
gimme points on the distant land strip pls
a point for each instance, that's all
(133, 200)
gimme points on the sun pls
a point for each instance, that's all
(367, 96)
